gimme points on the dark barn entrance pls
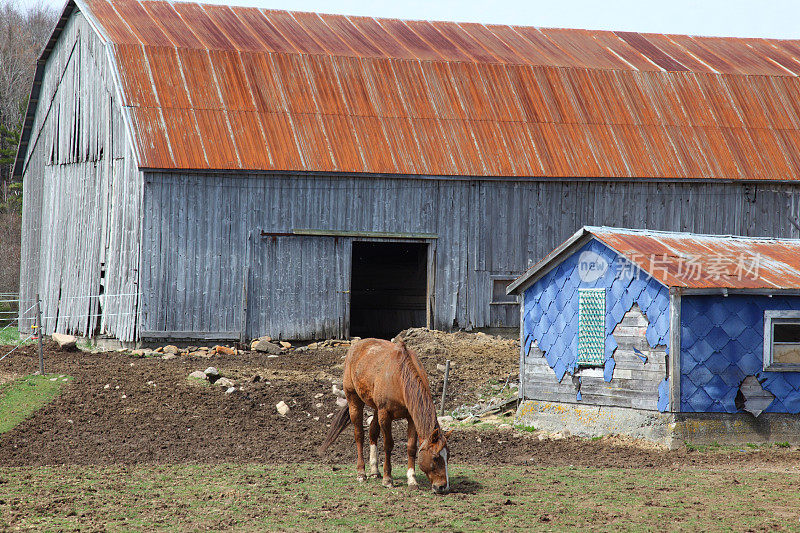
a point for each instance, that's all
(388, 288)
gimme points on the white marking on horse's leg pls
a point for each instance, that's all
(373, 459)
(412, 479)
(446, 474)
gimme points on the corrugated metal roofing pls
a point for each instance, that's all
(708, 261)
(690, 260)
(219, 87)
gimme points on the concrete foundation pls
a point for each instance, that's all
(667, 429)
(596, 421)
(739, 428)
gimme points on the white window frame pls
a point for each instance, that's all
(771, 318)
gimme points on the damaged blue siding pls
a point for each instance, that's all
(550, 316)
(722, 342)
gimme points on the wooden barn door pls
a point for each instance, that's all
(297, 287)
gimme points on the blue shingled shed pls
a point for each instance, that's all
(663, 335)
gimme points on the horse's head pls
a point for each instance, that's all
(433, 455)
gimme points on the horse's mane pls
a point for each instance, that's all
(417, 391)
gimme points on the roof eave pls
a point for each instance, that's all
(578, 239)
(30, 112)
(725, 291)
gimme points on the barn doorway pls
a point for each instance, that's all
(388, 288)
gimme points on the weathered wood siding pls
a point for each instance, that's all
(201, 239)
(82, 197)
(89, 219)
(634, 383)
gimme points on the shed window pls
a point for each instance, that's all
(591, 326)
(499, 296)
(782, 340)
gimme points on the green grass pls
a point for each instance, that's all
(312, 497)
(86, 345)
(10, 337)
(20, 398)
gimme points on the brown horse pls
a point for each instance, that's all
(389, 378)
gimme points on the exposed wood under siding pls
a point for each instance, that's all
(634, 383)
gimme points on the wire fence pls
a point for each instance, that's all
(9, 307)
(10, 316)
(14, 313)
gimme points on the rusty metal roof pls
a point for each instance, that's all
(689, 261)
(221, 87)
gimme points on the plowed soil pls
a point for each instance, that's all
(110, 414)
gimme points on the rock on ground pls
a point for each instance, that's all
(211, 372)
(225, 382)
(65, 342)
(171, 349)
(198, 374)
(282, 408)
(265, 346)
(225, 350)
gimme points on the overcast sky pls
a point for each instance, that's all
(744, 18)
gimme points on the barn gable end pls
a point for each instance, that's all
(82, 192)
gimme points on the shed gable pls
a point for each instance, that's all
(550, 315)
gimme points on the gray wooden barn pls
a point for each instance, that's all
(197, 171)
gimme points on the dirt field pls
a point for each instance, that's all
(134, 413)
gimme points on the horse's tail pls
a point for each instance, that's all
(338, 424)
(400, 342)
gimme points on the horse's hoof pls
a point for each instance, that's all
(361, 479)
(374, 475)
(387, 483)
(413, 486)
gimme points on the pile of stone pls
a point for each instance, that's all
(171, 351)
(266, 345)
(327, 344)
(213, 376)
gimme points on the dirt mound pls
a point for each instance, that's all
(478, 361)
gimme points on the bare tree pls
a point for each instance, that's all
(23, 34)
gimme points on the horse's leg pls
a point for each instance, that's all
(411, 446)
(374, 433)
(385, 420)
(356, 406)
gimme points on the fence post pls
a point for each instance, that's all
(444, 386)
(39, 335)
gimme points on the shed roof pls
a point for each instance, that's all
(689, 261)
(222, 87)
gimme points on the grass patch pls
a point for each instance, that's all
(86, 345)
(10, 337)
(21, 398)
(522, 427)
(312, 497)
(198, 382)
